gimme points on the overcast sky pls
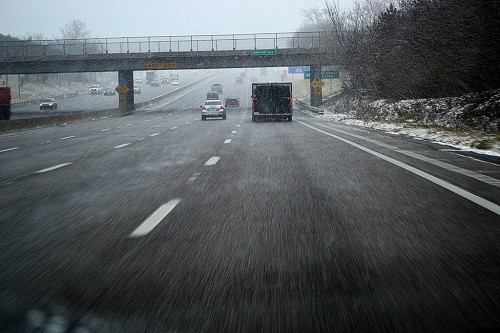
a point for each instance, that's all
(115, 18)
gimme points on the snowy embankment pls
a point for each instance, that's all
(469, 122)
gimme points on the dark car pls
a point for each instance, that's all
(155, 83)
(231, 101)
(239, 80)
(164, 80)
(212, 95)
(108, 92)
(48, 103)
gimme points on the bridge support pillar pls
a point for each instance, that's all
(126, 98)
(316, 90)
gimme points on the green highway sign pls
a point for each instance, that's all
(263, 52)
(324, 75)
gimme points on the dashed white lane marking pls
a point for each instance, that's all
(228, 141)
(160, 117)
(147, 119)
(187, 123)
(238, 125)
(54, 167)
(212, 160)
(129, 124)
(455, 189)
(106, 129)
(68, 137)
(233, 132)
(121, 146)
(8, 149)
(140, 139)
(155, 134)
(194, 176)
(152, 221)
(174, 127)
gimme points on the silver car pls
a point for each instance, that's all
(213, 108)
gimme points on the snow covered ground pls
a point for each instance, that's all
(460, 139)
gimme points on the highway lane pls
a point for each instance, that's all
(268, 226)
(85, 102)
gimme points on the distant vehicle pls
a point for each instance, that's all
(150, 76)
(272, 101)
(217, 87)
(138, 81)
(5, 98)
(137, 89)
(174, 76)
(95, 89)
(175, 83)
(48, 103)
(239, 80)
(213, 108)
(155, 83)
(243, 74)
(108, 92)
(164, 80)
(231, 101)
(211, 95)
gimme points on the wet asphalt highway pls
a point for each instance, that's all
(161, 222)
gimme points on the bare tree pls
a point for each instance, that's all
(74, 29)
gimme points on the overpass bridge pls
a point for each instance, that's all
(128, 54)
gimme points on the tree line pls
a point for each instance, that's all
(413, 48)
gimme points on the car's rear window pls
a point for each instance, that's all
(213, 103)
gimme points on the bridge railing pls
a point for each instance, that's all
(193, 43)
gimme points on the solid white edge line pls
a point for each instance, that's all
(212, 160)
(54, 167)
(68, 137)
(228, 141)
(106, 129)
(121, 146)
(455, 189)
(9, 149)
(154, 219)
(450, 167)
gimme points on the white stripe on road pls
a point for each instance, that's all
(54, 167)
(233, 132)
(121, 146)
(9, 149)
(140, 139)
(68, 137)
(238, 125)
(129, 124)
(212, 160)
(228, 141)
(194, 176)
(455, 189)
(152, 221)
(155, 134)
(174, 127)
(106, 129)
(483, 178)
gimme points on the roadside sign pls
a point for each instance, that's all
(317, 83)
(298, 69)
(121, 89)
(263, 52)
(324, 75)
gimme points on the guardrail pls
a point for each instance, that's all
(38, 100)
(310, 107)
(256, 41)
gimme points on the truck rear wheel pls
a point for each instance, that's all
(289, 118)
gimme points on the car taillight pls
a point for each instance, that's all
(221, 108)
(203, 108)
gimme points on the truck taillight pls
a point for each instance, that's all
(253, 101)
(291, 100)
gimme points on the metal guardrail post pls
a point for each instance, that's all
(212, 36)
(85, 46)
(128, 46)
(234, 44)
(106, 45)
(170, 47)
(276, 41)
(255, 41)
(149, 44)
(191, 43)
